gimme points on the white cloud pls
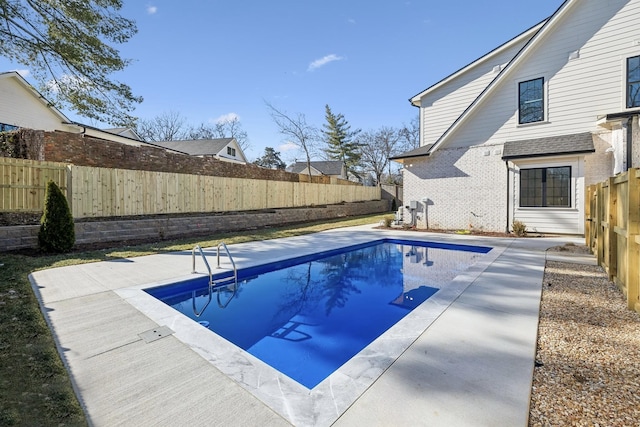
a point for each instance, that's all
(72, 82)
(229, 117)
(324, 61)
(151, 10)
(287, 146)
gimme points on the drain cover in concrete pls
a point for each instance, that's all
(155, 334)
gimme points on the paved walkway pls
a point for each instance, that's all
(134, 363)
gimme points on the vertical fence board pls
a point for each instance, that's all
(101, 192)
(614, 217)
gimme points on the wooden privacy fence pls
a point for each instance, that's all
(23, 183)
(101, 192)
(613, 231)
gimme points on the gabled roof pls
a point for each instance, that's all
(126, 132)
(546, 27)
(67, 124)
(415, 100)
(328, 167)
(18, 77)
(196, 147)
(551, 146)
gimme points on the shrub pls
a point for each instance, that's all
(394, 205)
(57, 233)
(519, 228)
(387, 221)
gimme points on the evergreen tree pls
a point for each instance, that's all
(341, 142)
(271, 159)
(57, 233)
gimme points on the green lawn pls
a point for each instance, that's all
(35, 389)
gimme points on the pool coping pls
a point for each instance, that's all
(360, 391)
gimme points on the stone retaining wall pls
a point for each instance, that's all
(166, 227)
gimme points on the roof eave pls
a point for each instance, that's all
(538, 155)
(415, 100)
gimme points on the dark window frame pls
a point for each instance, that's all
(633, 83)
(231, 151)
(537, 116)
(532, 190)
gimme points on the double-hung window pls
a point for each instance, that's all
(633, 82)
(231, 151)
(545, 187)
(531, 101)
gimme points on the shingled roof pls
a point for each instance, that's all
(328, 167)
(196, 147)
(550, 146)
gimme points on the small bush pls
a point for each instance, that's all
(57, 233)
(394, 205)
(519, 228)
(387, 221)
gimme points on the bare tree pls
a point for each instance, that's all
(410, 135)
(229, 128)
(296, 130)
(169, 126)
(377, 147)
(232, 128)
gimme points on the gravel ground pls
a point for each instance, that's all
(588, 359)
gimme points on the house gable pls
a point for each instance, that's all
(23, 106)
(222, 148)
(579, 53)
(445, 101)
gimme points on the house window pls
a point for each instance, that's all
(231, 151)
(633, 82)
(545, 187)
(6, 128)
(531, 101)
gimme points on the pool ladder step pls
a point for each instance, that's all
(227, 284)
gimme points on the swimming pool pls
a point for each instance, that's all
(307, 316)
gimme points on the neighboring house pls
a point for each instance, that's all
(331, 168)
(226, 149)
(22, 106)
(520, 132)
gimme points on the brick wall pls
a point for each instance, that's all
(165, 227)
(463, 188)
(83, 150)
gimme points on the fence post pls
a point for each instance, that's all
(600, 227)
(611, 233)
(633, 229)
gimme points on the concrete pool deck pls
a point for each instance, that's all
(135, 361)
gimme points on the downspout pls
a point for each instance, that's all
(506, 162)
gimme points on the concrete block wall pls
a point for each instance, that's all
(464, 188)
(166, 227)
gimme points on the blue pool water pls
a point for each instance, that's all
(308, 316)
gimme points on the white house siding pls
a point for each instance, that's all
(443, 105)
(19, 108)
(551, 220)
(577, 91)
(464, 189)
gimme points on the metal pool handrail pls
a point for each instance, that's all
(197, 312)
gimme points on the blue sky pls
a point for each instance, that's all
(212, 59)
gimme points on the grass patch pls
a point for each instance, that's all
(35, 388)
